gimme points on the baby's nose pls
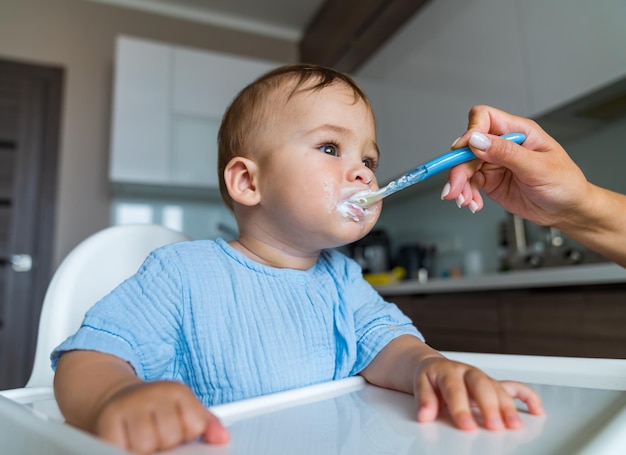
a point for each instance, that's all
(362, 173)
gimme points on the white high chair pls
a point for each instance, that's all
(89, 272)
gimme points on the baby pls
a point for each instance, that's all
(209, 322)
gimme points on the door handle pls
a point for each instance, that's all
(19, 262)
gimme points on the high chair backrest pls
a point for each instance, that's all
(89, 272)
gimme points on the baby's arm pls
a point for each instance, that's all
(409, 365)
(100, 393)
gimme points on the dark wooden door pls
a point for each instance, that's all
(30, 105)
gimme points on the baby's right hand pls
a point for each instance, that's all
(151, 416)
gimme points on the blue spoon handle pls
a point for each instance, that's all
(423, 171)
(461, 155)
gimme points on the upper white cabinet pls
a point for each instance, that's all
(168, 103)
(205, 83)
(571, 47)
(141, 113)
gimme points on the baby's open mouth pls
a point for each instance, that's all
(351, 210)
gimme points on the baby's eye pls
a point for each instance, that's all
(370, 163)
(329, 149)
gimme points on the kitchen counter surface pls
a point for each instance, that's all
(604, 273)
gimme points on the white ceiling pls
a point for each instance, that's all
(285, 19)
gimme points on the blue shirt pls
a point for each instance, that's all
(202, 313)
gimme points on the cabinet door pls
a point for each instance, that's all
(203, 86)
(565, 322)
(455, 323)
(571, 47)
(205, 83)
(194, 151)
(140, 140)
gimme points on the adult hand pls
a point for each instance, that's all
(536, 180)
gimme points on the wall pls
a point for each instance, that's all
(80, 36)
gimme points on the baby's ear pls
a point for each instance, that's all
(240, 177)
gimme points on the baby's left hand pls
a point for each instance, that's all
(441, 382)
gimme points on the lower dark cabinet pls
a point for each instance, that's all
(585, 321)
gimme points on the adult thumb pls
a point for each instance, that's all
(501, 152)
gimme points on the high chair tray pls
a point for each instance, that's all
(584, 399)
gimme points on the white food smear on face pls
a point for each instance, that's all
(344, 209)
(330, 191)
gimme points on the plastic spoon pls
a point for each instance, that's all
(422, 172)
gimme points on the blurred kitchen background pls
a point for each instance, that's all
(136, 88)
(533, 58)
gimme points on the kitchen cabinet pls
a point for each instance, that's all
(141, 116)
(584, 321)
(205, 83)
(451, 321)
(168, 105)
(570, 47)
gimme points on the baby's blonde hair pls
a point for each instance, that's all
(249, 112)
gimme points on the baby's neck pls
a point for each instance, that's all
(279, 256)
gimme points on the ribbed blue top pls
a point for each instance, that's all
(202, 313)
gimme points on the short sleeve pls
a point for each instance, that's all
(139, 321)
(377, 322)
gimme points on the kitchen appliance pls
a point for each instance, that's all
(417, 260)
(529, 246)
(372, 252)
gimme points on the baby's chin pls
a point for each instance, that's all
(351, 231)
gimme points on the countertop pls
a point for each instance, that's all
(577, 275)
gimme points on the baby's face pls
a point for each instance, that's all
(321, 149)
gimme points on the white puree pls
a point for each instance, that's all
(344, 208)
(342, 203)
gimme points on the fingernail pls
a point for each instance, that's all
(455, 141)
(479, 140)
(473, 206)
(445, 191)
(460, 200)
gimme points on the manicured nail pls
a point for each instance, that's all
(479, 140)
(445, 191)
(460, 200)
(473, 207)
(455, 141)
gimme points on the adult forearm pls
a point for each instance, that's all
(600, 224)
